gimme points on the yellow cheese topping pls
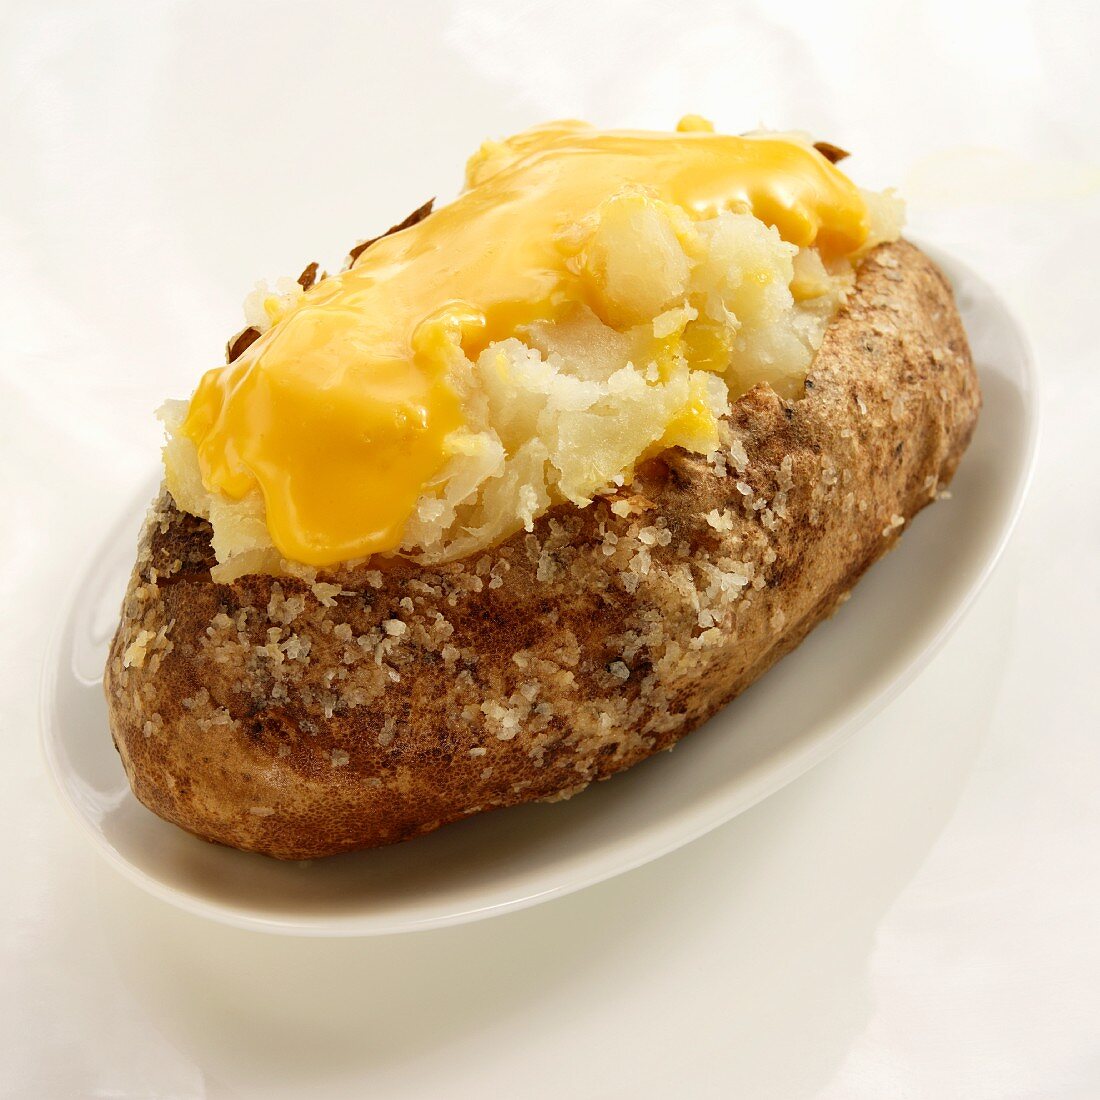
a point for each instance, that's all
(341, 413)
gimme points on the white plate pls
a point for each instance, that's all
(849, 669)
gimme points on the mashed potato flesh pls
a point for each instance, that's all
(591, 299)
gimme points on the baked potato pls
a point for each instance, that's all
(310, 712)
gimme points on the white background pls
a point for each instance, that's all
(918, 917)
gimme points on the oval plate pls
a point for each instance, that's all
(803, 709)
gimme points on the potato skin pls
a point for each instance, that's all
(276, 716)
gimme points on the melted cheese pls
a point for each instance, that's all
(341, 414)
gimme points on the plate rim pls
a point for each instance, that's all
(800, 761)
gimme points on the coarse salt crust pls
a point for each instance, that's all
(290, 715)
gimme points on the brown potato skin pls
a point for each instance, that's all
(227, 730)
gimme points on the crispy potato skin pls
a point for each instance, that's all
(274, 716)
